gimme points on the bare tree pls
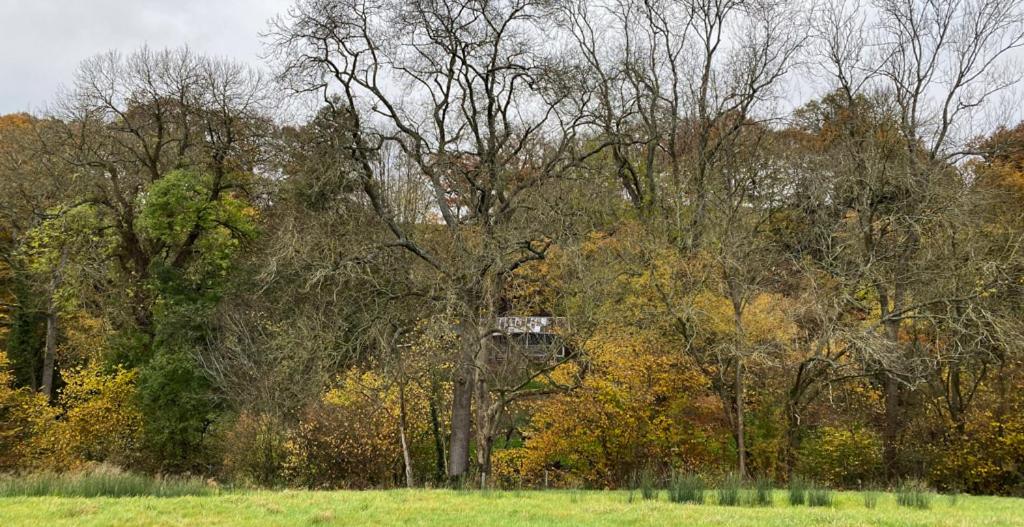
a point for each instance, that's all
(920, 70)
(479, 105)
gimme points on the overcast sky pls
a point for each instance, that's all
(42, 41)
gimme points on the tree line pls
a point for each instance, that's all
(784, 240)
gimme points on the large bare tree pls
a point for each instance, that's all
(479, 103)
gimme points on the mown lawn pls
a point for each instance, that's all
(482, 509)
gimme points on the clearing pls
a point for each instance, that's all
(481, 509)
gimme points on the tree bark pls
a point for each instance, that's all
(402, 428)
(741, 447)
(484, 431)
(891, 400)
(462, 402)
(50, 353)
(890, 432)
(435, 427)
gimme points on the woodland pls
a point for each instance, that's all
(785, 240)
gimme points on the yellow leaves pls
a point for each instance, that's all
(20, 413)
(765, 318)
(5, 373)
(843, 457)
(640, 400)
(99, 420)
(352, 435)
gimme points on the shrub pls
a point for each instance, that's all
(797, 491)
(346, 440)
(350, 437)
(820, 497)
(99, 421)
(914, 494)
(256, 450)
(842, 457)
(729, 491)
(178, 408)
(507, 467)
(985, 458)
(686, 488)
(21, 414)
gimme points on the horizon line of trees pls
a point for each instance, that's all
(191, 281)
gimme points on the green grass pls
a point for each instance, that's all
(730, 491)
(686, 488)
(914, 494)
(871, 498)
(820, 497)
(474, 509)
(798, 491)
(104, 482)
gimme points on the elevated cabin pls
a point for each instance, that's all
(534, 339)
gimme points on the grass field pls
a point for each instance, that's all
(481, 509)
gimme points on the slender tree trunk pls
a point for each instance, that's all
(792, 437)
(402, 431)
(890, 432)
(435, 427)
(50, 353)
(892, 417)
(741, 446)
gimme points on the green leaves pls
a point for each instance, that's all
(195, 221)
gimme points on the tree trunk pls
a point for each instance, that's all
(792, 437)
(462, 402)
(741, 447)
(485, 417)
(50, 353)
(890, 432)
(435, 427)
(402, 427)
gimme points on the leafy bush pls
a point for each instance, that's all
(636, 404)
(102, 480)
(99, 421)
(507, 467)
(729, 491)
(686, 488)
(256, 449)
(985, 458)
(914, 494)
(842, 457)
(21, 413)
(350, 437)
(178, 409)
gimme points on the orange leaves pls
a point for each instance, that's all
(641, 401)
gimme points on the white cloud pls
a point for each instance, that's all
(42, 41)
